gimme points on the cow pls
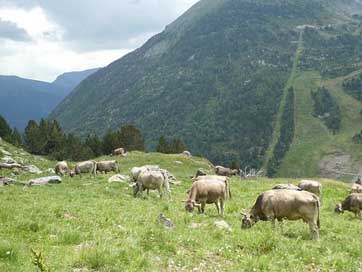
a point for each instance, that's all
(222, 179)
(207, 191)
(61, 168)
(352, 203)
(200, 172)
(286, 187)
(119, 152)
(226, 172)
(356, 188)
(152, 180)
(135, 171)
(107, 166)
(83, 168)
(311, 186)
(187, 154)
(285, 204)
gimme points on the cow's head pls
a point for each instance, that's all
(136, 189)
(190, 205)
(248, 220)
(338, 208)
(72, 173)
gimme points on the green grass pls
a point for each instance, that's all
(89, 223)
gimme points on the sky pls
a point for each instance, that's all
(41, 39)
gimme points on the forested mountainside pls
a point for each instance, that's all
(218, 77)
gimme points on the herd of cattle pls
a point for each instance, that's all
(284, 201)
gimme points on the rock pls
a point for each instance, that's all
(32, 169)
(187, 154)
(45, 181)
(6, 153)
(118, 178)
(10, 166)
(8, 160)
(222, 225)
(195, 226)
(50, 171)
(165, 221)
(178, 162)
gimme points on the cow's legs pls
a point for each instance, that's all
(222, 207)
(203, 207)
(217, 207)
(314, 230)
(273, 223)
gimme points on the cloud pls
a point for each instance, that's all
(10, 30)
(50, 37)
(110, 24)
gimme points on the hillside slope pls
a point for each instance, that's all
(89, 224)
(23, 99)
(214, 77)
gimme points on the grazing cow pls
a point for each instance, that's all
(187, 154)
(152, 180)
(222, 179)
(61, 168)
(226, 172)
(286, 187)
(207, 191)
(119, 152)
(136, 171)
(285, 204)
(352, 203)
(84, 167)
(311, 186)
(107, 166)
(356, 188)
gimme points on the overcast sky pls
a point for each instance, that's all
(41, 39)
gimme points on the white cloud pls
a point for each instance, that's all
(75, 35)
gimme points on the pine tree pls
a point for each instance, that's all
(16, 138)
(32, 138)
(162, 146)
(5, 130)
(131, 138)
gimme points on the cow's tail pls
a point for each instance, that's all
(228, 190)
(318, 210)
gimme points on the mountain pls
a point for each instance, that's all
(233, 79)
(24, 99)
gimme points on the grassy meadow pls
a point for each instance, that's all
(90, 225)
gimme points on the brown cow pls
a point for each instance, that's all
(119, 152)
(152, 180)
(356, 188)
(285, 204)
(311, 186)
(352, 203)
(226, 172)
(204, 192)
(84, 167)
(61, 168)
(107, 166)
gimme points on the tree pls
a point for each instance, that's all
(16, 138)
(5, 130)
(32, 138)
(162, 146)
(110, 142)
(131, 138)
(95, 144)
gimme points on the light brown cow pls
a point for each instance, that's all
(226, 172)
(222, 179)
(286, 187)
(356, 188)
(207, 191)
(311, 186)
(83, 168)
(152, 180)
(352, 203)
(119, 152)
(61, 168)
(285, 204)
(107, 166)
